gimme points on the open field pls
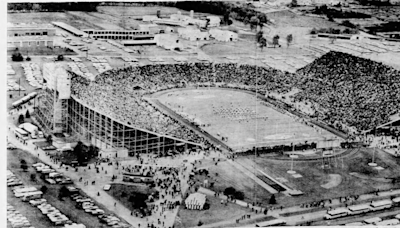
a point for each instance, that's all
(363, 178)
(220, 109)
(46, 18)
(67, 206)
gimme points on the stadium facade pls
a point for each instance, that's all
(58, 111)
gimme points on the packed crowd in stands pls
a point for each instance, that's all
(110, 93)
(349, 92)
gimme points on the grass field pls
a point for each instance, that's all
(277, 129)
(314, 176)
(33, 214)
(48, 17)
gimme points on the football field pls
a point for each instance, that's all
(241, 119)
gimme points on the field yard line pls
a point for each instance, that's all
(252, 176)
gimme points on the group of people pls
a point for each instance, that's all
(347, 92)
(118, 93)
(350, 93)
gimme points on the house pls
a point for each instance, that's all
(223, 35)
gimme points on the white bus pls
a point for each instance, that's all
(21, 133)
(359, 209)
(25, 189)
(396, 201)
(275, 222)
(381, 204)
(390, 222)
(372, 220)
(32, 195)
(355, 224)
(337, 213)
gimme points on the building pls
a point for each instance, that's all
(30, 36)
(52, 101)
(195, 201)
(119, 34)
(193, 34)
(214, 21)
(168, 41)
(59, 111)
(223, 35)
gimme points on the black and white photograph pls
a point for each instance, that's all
(201, 114)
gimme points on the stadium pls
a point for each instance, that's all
(135, 107)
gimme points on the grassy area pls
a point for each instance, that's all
(216, 213)
(34, 215)
(48, 17)
(314, 176)
(225, 175)
(123, 193)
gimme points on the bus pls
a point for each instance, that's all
(372, 221)
(381, 204)
(32, 195)
(390, 222)
(355, 224)
(396, 201)
(21, 134)
(275, 222)
(359, 209)
(337, 213)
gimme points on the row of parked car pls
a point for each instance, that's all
(34, 197)
(16, 219)
(51, 176)
(12, 180)
(88, 205)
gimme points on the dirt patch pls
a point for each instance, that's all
(333, 181)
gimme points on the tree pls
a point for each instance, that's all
(33, 177)
(36, 7)
(229, 191)
(294, 3)
(254, 22)
(289, 39)
(275, 41)
(259, 35)
(80, 153)
(49, 139)
(24, 166)
(262, 19)
(263, 42)
(16, 56)
(226, 18)
(21, 119)
(44, 189)
(27, 114)
(272, 200)
(239, 195)
(63, 192)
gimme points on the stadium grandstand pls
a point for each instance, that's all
(112, 110)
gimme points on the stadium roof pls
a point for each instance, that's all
(69, 28)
